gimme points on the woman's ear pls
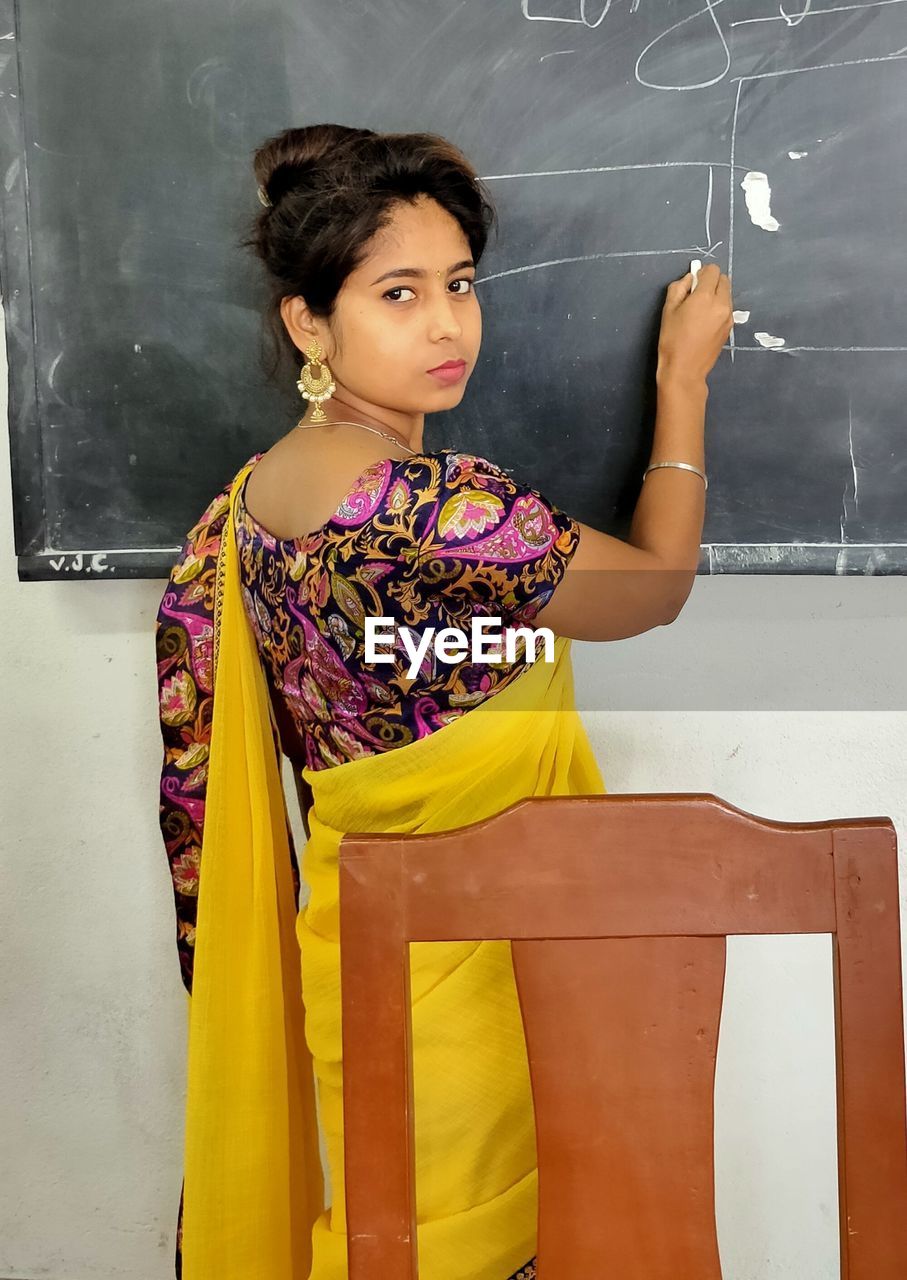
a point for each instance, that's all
(301, 325)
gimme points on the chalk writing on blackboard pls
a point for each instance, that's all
(673, 42)
(80, 562)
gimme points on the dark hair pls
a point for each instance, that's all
(331, 188)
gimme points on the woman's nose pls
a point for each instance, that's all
(444, 319)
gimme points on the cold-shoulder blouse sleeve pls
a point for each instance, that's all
(500, 545)
(184, 644)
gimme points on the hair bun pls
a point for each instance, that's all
(295, 155)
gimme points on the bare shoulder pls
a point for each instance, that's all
(298, 483)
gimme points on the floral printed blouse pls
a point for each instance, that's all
(426, 541)
(432, 540)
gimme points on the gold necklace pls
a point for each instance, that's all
(302, 426)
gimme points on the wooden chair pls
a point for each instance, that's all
(618, 908)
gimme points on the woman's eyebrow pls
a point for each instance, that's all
(418, 273)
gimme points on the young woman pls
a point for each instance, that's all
(371, 244)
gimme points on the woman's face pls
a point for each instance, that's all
(387, 333)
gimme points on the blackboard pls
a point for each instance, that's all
(618, 140)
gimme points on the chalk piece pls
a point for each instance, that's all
(695, 267)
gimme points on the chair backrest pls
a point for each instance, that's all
(618, 908)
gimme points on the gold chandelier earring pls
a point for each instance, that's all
(316, 384)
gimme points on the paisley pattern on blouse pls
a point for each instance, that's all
(428, 541)
(184, 641)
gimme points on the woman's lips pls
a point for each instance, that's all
(450, 372)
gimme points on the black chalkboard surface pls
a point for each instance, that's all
(619, 141)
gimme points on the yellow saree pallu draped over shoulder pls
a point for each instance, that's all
(265, 1009)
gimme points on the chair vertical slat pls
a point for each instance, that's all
(376, 1042)
(623, 1037)
(872, 1132)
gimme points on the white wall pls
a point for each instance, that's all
(93, 1008)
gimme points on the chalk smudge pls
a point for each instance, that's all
(758, 200)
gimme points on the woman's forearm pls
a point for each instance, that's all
(670, 511)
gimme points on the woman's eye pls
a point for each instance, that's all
(402, 288)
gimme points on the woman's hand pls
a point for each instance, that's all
(695, 324)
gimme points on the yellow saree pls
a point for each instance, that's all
(258, 1027)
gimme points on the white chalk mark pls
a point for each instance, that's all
(535, 17)
(758, 201)
(856, 500)
(99, 556)
(555, 53)
(731, 205)
(710, 7)
(853, 466)
(11, 174)
(787, 350)
(767, 340)
(796, 19)
(825, 66)
(68, 155)
(97, 562)
(53, 369)
(741, 317)
(797, 155)
(615, 168)
(584, 257)
(818, 13)
(786, 546)
(708, 207)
